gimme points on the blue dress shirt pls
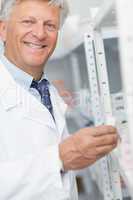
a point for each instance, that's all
(21, 77)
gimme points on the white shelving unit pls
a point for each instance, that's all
(125, 23)
(106, 169)
(113, 15)
(106, 16)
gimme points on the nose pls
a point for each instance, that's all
(39, 31)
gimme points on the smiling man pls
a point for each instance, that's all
(31, 35)
(37, 155)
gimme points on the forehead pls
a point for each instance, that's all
(21, 1)
(35, 8)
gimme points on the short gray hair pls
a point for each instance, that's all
(7, 5)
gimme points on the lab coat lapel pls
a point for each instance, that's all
(8, 89)
(59, 108)
(36, 111)
(13, 95)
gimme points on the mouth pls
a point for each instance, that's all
(35, 45)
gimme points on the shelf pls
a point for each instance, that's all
(106, 16)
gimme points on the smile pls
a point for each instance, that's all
(35, 46)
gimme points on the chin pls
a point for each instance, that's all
(34, 65)
(36, 62)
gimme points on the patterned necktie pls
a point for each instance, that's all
(43, 88)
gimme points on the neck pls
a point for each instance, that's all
(36, 74)
(35, 71)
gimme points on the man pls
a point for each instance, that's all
(37, 156)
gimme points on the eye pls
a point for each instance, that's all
(51, 27)
(27, 22)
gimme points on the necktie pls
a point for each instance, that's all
(43, 88)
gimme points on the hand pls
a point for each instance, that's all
(87, 146)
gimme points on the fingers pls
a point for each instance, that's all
(110, 139)
(102, 141)
(88, 145)
(99, 152)
(103, 130)
(103, 150)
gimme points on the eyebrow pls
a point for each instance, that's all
(34, 18)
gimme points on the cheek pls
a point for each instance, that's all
(11, 41)
(11, 35)
(15, 33)
(53, 41)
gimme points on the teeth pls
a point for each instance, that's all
(35, 46)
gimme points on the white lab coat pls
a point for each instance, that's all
(29, 160)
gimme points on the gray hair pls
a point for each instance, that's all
(7, 5)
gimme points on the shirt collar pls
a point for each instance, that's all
(21, 77)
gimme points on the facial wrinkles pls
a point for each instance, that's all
(50, 12)
(31, 39)
(29, 48)
(36, 33)
(34, 40)
(37, 42)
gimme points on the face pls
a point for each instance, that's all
(30, 34)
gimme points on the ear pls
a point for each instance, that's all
(3, 30)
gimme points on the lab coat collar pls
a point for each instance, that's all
(8, 89)
(21, 77)
(12, 95)
(59, 108)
